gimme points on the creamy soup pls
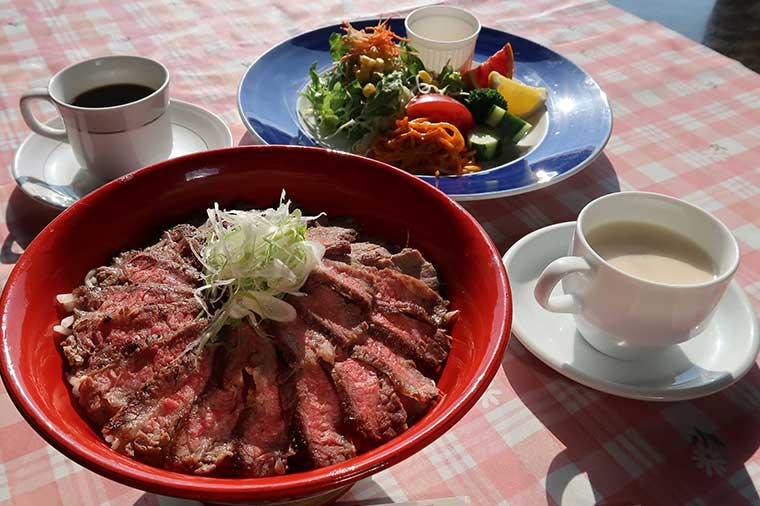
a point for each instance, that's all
(652, 252)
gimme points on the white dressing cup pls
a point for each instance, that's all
(628, 317)
(108, 141)
(443, 34)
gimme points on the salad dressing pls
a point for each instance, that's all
(443, 28)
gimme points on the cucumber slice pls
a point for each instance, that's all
(485, 142)
(495, 116)
(512, 127)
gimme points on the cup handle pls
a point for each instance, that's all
(58, 134)
(552, 275)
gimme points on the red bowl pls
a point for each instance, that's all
(126, 213)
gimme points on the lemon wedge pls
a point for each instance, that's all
(522, 100)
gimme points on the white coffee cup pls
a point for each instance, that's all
(108, 141)
(443, 34)
(628, 317)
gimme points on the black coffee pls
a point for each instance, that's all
(111, 95)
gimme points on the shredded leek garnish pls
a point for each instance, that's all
(251, 260)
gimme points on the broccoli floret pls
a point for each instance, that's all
(480, 100)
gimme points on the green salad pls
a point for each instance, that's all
(375, 74)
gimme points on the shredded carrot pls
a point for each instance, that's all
(422, 147)
(360, 42)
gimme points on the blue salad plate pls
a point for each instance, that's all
(567, 136)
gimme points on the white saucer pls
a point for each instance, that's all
(709, 362)
(47, 171)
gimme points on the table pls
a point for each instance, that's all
(687, 123)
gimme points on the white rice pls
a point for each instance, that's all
(64, 331)
(90, 280)
(67, 300)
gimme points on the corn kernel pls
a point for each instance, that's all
(368, 90)
(362, 74)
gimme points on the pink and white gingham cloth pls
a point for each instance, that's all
(687, 123)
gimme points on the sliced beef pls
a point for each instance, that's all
(408, 294)
(370, 254)
(353, 283)
(318, 416)
(336, 240)
(413, 338)
(402, 372)
(323, 349)
(204, 440)
(341, 320)
(105, 299)
(146, 425)
(262, 442)
(369, 400)
(411, 262)
(346, 373)
(103, 392)
(148, 267)
(408, 261)
(186, 240)
(296, 337)
(102, 337)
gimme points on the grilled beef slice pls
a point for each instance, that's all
(418, 340)
(296, 337)
(403, 374)
(103, 392)
(371, 404)
(353, 283)
(405, 313)
(169, 262)
(336, 240)
(110, 298)
(185, 240)
(318, 416)
(146, 425)
(102, 337)
(411, 262)
(262, 442)
(331, 314)
(148, 267)
(408, 294)
(203, 440)
(370, 255)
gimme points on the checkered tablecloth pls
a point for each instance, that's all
(687, 123)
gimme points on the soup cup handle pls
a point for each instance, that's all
(58, 134)
(553, 274)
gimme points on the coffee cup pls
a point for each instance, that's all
(646, 272)
(114, 111)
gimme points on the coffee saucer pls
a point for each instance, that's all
(707, 363)
(47, 170)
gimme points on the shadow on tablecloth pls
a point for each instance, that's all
(622, 451)
(25, 218)
(508, 219)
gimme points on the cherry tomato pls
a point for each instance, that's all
(440, 108)
(502, 61)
